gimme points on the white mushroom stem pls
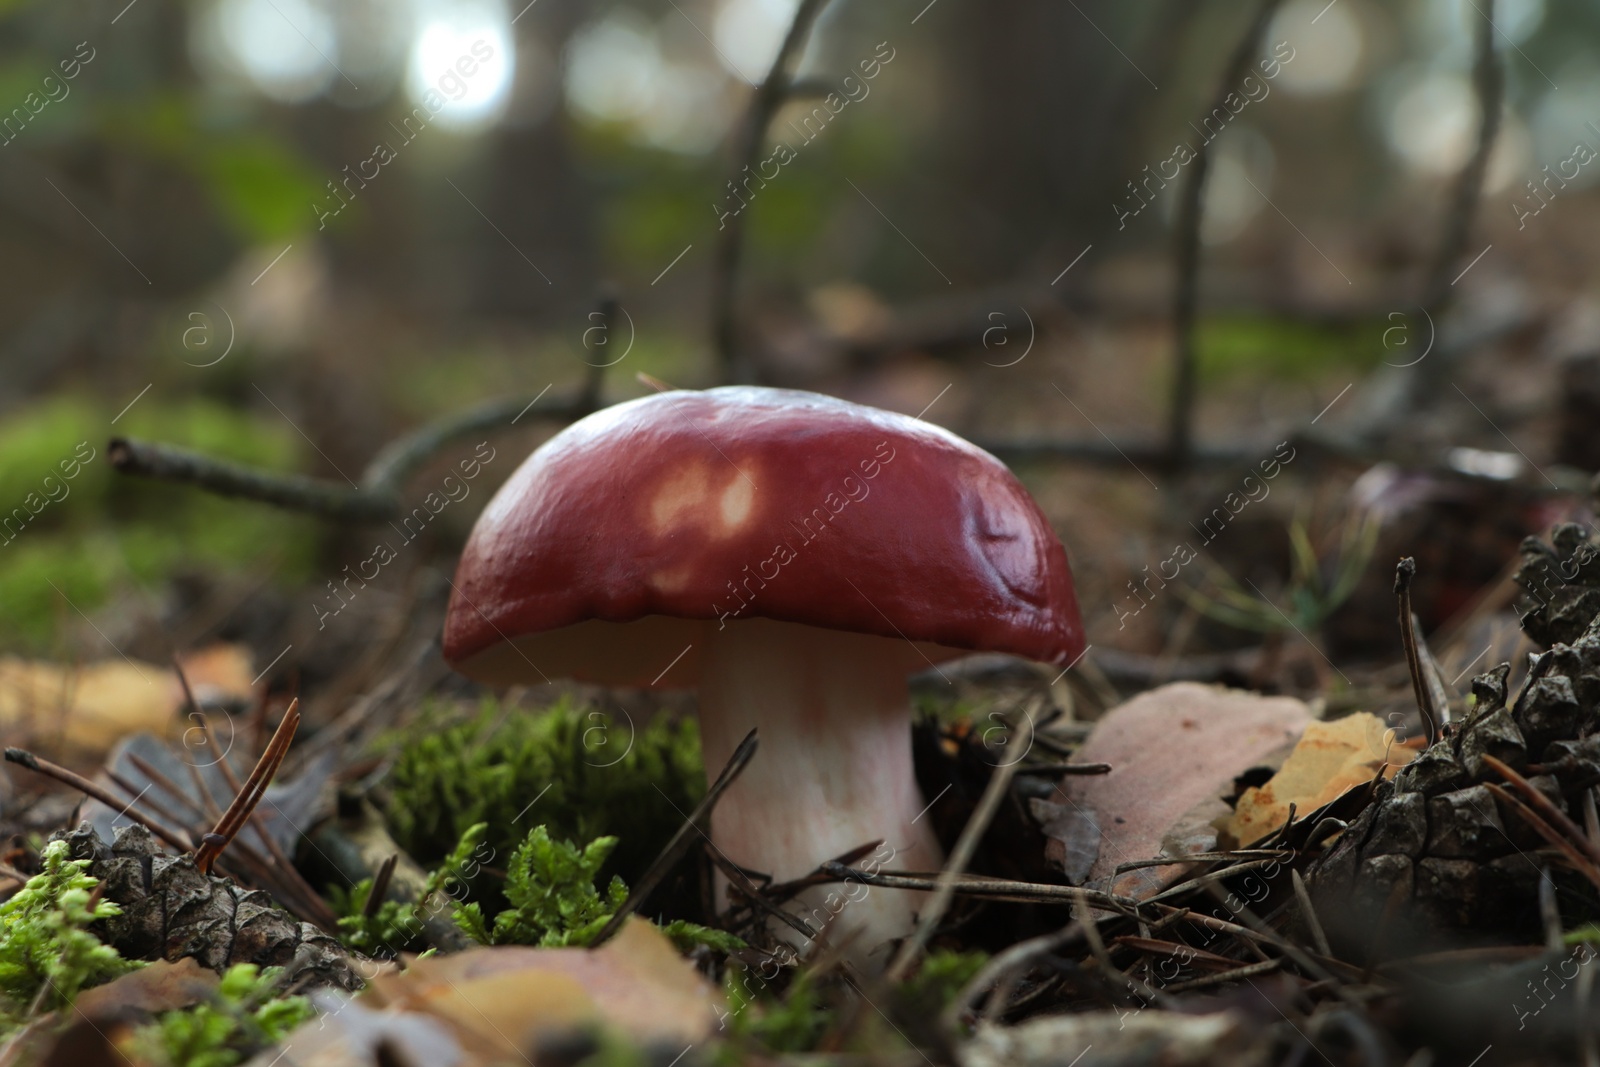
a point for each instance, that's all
(833, 772)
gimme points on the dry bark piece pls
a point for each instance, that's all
(170, 911)
(1329, 758)
(1172, 750)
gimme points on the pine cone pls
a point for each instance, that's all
(171, 910)
(1563, 582)
(1436, 852)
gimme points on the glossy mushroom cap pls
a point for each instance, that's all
(631, 532)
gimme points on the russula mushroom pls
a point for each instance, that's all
(792, 556)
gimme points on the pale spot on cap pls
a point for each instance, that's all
(675, 580)
(682, 497)
(736, 501)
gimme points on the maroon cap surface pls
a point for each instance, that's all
(746, 502)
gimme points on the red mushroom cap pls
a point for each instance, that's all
(745, 502)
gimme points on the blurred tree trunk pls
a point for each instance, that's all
(536, 193)
(1041, 121)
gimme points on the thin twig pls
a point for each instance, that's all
(1403, 575)
(981, 887)
(1319, 937)
(769, 97)
(380, 886)
(255, 786)
(960, 856)
(1097, 948)
(1019, 956)
(296, 492)
(376, 499)
(1222, 978)
(692, 827)
(1180, 424)
(1243, 855)
(1546, 809)
(83, 785)
(404, 456)
(149, 799)
(751, 892)
(1299, 955)
(1176, 950)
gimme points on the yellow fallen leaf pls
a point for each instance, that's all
(1329, 758)
(87, 708)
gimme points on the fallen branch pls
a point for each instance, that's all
(38, 765)
(377, 498)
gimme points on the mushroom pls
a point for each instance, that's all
(794, 557)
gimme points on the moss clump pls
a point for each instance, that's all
(942, 975)
(47, 952)
(580, 773)
(397, 926)
(760, 1018)
(551, 900)
(550, 886)
(246, 1015)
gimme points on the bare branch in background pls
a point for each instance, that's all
(377, 498)
(1180, 424)
(769, 97)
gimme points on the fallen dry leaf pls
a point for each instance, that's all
(502, 1001)
(1122, 1038)
(346, 1033)
(157, 987)
(88, 707)
(1174, 753)
(1329, 758)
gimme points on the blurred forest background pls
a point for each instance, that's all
(226, 225)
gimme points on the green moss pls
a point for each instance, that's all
(47, 952)
(396, 926)
(942, 975)
(1259, 346)
(579, 772)
(550, 886)
(792, 1022)
(246, 1015)
(88, 533)
(550, 893)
